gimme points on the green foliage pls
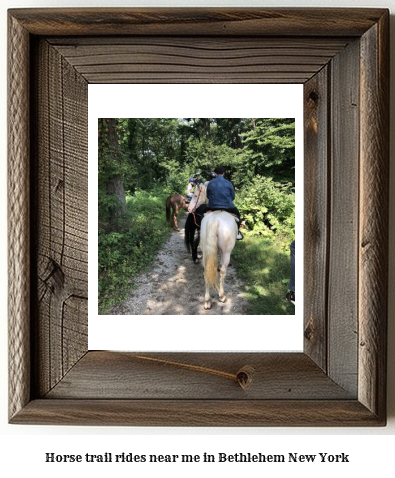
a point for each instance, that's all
(176, 182)
(265, 267)
(269, 148)
(106, 204)
(111, 169)
(154, 149)
(154, 157)
(123, 255)
(268, 208)
(204, 156)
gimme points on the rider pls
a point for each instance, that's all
(198, 179)
(220, 194)
(190, 187)
(212, 176)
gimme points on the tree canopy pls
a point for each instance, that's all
(147, 153)
(143, 160)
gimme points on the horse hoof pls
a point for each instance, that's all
(222, 299)
(207, 306)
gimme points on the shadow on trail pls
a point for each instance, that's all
(175, 286)
(269, 276)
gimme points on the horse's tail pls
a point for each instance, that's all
(168, 209)
(189, 232)
(210, 253)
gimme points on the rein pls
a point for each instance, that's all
(194, 218)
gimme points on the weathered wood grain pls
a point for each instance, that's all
(347, 226)
(61, 198)
(18, 218)
(316, 214)
(201, 413)
(373, 227)
(344, 217)
(261, 22)
(212, 59)
(284, 376)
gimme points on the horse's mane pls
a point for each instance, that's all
(200, 196)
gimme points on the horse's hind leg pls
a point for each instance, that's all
(175, 214)
(225, 259)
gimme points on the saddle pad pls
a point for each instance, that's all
(221, 210)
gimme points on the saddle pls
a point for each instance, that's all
(239, 234)
(223, 210)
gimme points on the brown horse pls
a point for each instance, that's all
(175, 202)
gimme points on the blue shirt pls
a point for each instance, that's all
(220, 193)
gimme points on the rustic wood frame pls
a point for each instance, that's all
(342, 57)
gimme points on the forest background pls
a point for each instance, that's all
(143, 160)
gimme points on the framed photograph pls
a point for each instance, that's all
(162, 127)
(341, 59)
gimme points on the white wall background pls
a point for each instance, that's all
(24, 447)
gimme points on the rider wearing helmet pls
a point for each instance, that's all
(212, 176)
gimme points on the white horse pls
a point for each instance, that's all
(218, 233)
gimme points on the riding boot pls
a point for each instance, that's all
(236, 212)
(239, 236)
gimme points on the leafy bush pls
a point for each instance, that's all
(176, 182)
(268, 208)
(123, 255)
(264, 265)
(269, 147)
(205, 156)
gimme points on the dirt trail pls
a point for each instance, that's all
(175, 286)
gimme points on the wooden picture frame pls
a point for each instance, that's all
(342, 58)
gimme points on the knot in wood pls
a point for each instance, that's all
(244, 376)
(313, 96)
(54, 277)
(308, 332)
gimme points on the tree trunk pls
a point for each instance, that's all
(115, 187)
